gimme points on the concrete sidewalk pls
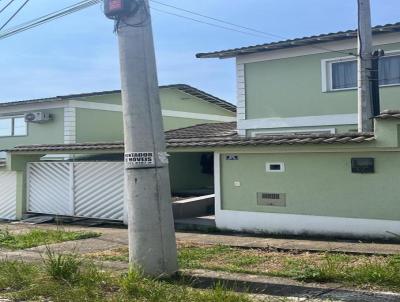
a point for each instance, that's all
(118, 237)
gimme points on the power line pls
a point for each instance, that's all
(49, 17)
(267, 34)
(203, 22)
(219, 20)
(13, 15)
(84, 4)
(7, 5)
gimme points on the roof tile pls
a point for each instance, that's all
(212, 135)
(341, 35)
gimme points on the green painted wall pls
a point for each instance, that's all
(98, 126)
(51, 132)
(171, 99)
(114, 99)
(293, 87)
(177, 122)
(315, 184)
(186, 173)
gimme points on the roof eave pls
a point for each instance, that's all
(312, 40)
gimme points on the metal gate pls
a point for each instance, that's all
(82, 189)
(8, 195)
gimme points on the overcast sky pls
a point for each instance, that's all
(78, 53)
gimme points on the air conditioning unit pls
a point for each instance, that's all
(37, 117)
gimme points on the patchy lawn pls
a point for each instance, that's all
(372, 272)
(69, 279)
(37, 237)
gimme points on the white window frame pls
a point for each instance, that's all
(269, 170)
(12, 117)
(326, 71)
(288, 132)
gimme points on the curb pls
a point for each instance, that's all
(282, 287)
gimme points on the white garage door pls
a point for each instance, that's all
(8, 195)
(50, 188)
(82, 189)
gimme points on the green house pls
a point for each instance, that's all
(308, 84)
(93, 118)
(298, 165)
(97, 117)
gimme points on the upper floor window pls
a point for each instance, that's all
(13, 126)
(341, 74)
(344, 75)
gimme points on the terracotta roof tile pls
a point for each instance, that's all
(213, 135)
(389, 114)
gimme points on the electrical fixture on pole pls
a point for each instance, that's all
(152, 245)
(374, 79)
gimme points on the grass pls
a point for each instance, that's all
(53, 281)
(37, 237)
(378, 272)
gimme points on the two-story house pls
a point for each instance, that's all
(293, 166)
(308, 84)
(95, 118)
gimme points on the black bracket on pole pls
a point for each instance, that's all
(374, 78)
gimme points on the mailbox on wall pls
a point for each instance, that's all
(363, 165)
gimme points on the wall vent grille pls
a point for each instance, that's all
(271, 199)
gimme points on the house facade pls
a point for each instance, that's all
(292, 163)
(97, 117)
(310, 180)
(308, 84)
(90, 118)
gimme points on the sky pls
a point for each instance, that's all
(78, 53)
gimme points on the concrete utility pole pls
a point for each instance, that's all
(365, 107)
(152, 245)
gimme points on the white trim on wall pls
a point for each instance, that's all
(168, 113)
(109, 107)
(198, 116)
(241, 95)
(301, 121)
(305, 224)
(217, 182)
(33, 107)
(94, 106)
(69, 125)
(300, 130)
